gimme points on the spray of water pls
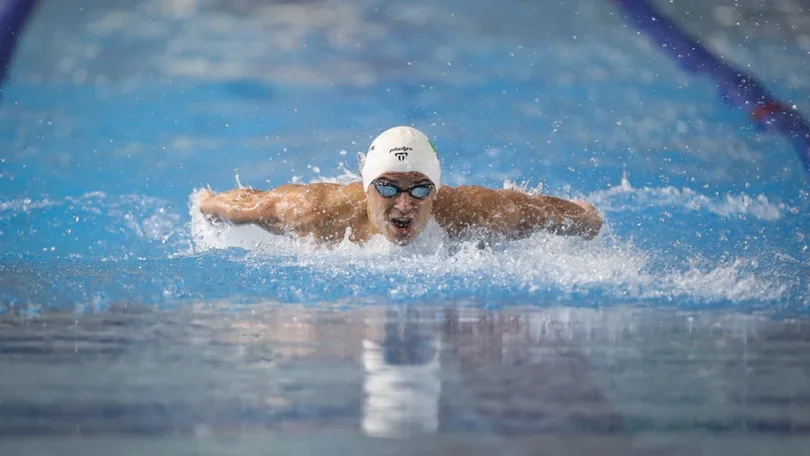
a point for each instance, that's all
(606, 266)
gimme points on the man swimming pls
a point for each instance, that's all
(401, 191)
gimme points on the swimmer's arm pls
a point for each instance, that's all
(241, 206)
(513, 214)
(559, 216)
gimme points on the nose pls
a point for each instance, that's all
(405, 202)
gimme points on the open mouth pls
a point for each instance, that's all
(401, 223)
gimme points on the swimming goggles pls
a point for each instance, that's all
(389, 190)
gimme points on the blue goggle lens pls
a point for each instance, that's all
(387, 190)
(420, 191)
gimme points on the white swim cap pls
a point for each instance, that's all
(401, 150)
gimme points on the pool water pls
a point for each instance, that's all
(130, 321)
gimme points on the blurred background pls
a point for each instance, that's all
(127, 319)
(187, 91)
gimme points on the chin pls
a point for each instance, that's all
(400, 239)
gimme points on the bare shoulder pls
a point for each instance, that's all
(320, 191)
(514, 213)
(474, 195)
(317, 202)
(508, 212)
(450, 196)
(469, 207)
(328, 194)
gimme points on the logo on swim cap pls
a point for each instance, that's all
(401, 149)
(400, 152)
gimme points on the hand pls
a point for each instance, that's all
(208, 204)
(592, 220)
(206, 194)
(585, 205)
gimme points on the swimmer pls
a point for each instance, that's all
(400, 193)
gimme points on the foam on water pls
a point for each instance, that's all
(624, 197)
(565, 94)
(23, 205)
(613, 267)
(541, 264)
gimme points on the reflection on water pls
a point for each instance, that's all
(402, 382)
(628, 381)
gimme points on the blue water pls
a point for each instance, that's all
(117, 112)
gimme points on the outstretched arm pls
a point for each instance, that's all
(569, 218)
(321, 209)
(512, 213)
(241, 206)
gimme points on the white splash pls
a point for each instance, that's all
(540, 263)
(25, 205)
(625, 197)
(208, 235)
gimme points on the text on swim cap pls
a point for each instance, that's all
(401, 152)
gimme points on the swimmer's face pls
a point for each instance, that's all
(398, 214)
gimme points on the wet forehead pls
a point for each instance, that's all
(405, 179)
